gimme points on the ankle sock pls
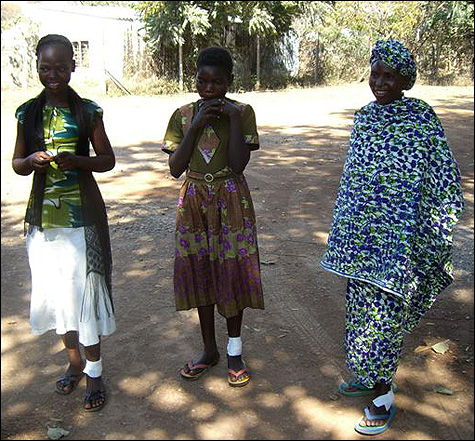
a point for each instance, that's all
(234, 346)
(93, 369)
(385, 400)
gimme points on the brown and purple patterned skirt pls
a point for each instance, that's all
(216, 256)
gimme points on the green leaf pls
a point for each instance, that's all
(443, 390)
(261, 23)
(56, 432)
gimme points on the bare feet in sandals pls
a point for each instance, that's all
(194, 369)
(374, 412)
(379, 414)
(238, 372)
(95, 394)
(71, 378)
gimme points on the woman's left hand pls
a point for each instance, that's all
(227, 107)
(66, 161)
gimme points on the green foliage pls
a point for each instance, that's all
(128, 4)
(333, 40)
(334, 37)
(138, 84)
(261, 23)
(19, 38)
(11, 14)
(336, 41)
(232, 24)
(445, 56)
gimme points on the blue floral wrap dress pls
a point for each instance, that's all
(391, 235)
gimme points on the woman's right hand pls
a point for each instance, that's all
(208, 110)
(24, 163)
(39, 161)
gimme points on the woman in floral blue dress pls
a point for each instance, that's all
(391, 235)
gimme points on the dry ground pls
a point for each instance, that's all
(294, 347)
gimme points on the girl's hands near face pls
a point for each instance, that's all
(208, 110)
(229, 108)
(214, 108)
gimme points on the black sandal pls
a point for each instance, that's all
(99, 394)
(66, 380)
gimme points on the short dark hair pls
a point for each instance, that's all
(50, 39)
(215, 56)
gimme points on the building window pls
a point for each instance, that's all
(81, 53)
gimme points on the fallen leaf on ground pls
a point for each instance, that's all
(56, 432)
(421, 348)
(441, 347)
(443, 390)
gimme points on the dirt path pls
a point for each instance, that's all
(294, 347)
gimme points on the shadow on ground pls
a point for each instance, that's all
(293, 348)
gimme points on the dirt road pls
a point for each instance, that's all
(294, 347)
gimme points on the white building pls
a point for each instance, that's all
(103, 37)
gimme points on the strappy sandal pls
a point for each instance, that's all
(386, 400)
(235, 381)
(91, 397)
(376, 430)
(71, 380)
(194, 371)
(361, 390)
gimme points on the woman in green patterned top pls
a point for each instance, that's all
(68, 239)
(391, 235)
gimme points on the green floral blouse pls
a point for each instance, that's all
(62, 198)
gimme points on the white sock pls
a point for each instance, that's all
(93, 368)
(234, 346)
(385, 400)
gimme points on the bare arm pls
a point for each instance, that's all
(238, 153)
(24, 164)
(179, 159)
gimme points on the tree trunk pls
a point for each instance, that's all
(258, 64)
(180, 66)
(434, 63)
(24, 67)
(317, 60)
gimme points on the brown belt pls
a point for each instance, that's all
(209, 177)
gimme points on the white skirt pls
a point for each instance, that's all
(63, 297)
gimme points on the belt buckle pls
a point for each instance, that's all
(209, 178)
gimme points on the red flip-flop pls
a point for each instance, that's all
(236, 382)
(194, 371)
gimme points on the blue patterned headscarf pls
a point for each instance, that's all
(398, 57)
